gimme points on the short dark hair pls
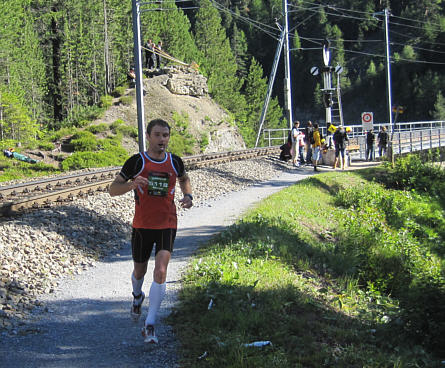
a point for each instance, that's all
(155, 122)
(315, 125)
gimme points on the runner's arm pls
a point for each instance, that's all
(121, 186)
(186, 189)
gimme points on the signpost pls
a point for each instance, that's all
(367, 120)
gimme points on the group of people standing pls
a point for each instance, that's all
(382, 142)
(310, 140)
(153, 58)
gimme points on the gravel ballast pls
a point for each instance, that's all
(65, 287)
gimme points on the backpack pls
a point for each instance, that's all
(311, 137)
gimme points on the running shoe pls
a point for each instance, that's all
(148, 332)
(136, 306)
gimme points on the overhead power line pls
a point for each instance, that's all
(265, 28)
(392, 59)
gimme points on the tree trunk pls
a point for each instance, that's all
(106, 53)
(56, 42)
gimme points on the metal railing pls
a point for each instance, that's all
(279, 136)
(419, 140)
(406, 137)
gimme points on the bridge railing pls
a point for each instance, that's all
(405, 137)
(418, 140)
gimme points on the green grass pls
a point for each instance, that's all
(284, 274)
(11, 169)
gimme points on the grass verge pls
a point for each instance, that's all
(286, 273)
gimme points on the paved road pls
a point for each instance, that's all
(88, 323)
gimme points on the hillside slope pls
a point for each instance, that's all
(189, 100)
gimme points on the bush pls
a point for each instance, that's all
(99, 128)
(126, 130)
(126, 100)
(7, 143)
(46, 146)
(395, 240)
(116, 124)
(204, 141)
(181, 141)
(106, 101)
(81, 116)
(410, 172)
(119, 91)
(84, 141)
(82, 160)
(55, 136)
(113, 146)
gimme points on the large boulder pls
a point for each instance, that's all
(186, 81)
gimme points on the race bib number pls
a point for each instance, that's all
(158, 184)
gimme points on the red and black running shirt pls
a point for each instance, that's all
(154, 205)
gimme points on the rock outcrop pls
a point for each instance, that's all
(186, 81)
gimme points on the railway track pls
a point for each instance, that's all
(21, 197)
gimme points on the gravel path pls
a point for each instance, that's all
(85, 322)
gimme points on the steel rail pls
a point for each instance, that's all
(98, 180)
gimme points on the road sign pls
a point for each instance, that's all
(338, 69)
(367, 120)
(314, 70)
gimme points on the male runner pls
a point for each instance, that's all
(152, 176)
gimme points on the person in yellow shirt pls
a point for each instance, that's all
(316, 147)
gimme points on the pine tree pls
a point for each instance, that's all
(22, 66)
(219, 63)
(239, 47)
(15, 120)
(171, 27)
(255, 92)
(439, 108)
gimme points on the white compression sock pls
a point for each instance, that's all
(137, 284)
(157, 292)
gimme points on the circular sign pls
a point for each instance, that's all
(314, 70)
(367, 117)
(338, 69)
(367, 120)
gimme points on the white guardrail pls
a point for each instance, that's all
(405, 137)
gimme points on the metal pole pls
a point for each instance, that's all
(327, 82)
(138, 72)
(270, 85)
(287, 86)
(340, 108)
(388, 71)
(327, 88)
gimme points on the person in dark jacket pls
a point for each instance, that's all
(382, 138)
(370, 139)
(308, 134)
(149, 55)
(158, 49)
(340, 138)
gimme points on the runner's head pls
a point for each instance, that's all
(157, 122)
(158, 136)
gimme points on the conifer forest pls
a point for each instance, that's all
(59, 57)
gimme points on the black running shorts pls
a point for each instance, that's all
(142, 241)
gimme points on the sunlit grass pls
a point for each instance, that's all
(277, 276)
(14, 170)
